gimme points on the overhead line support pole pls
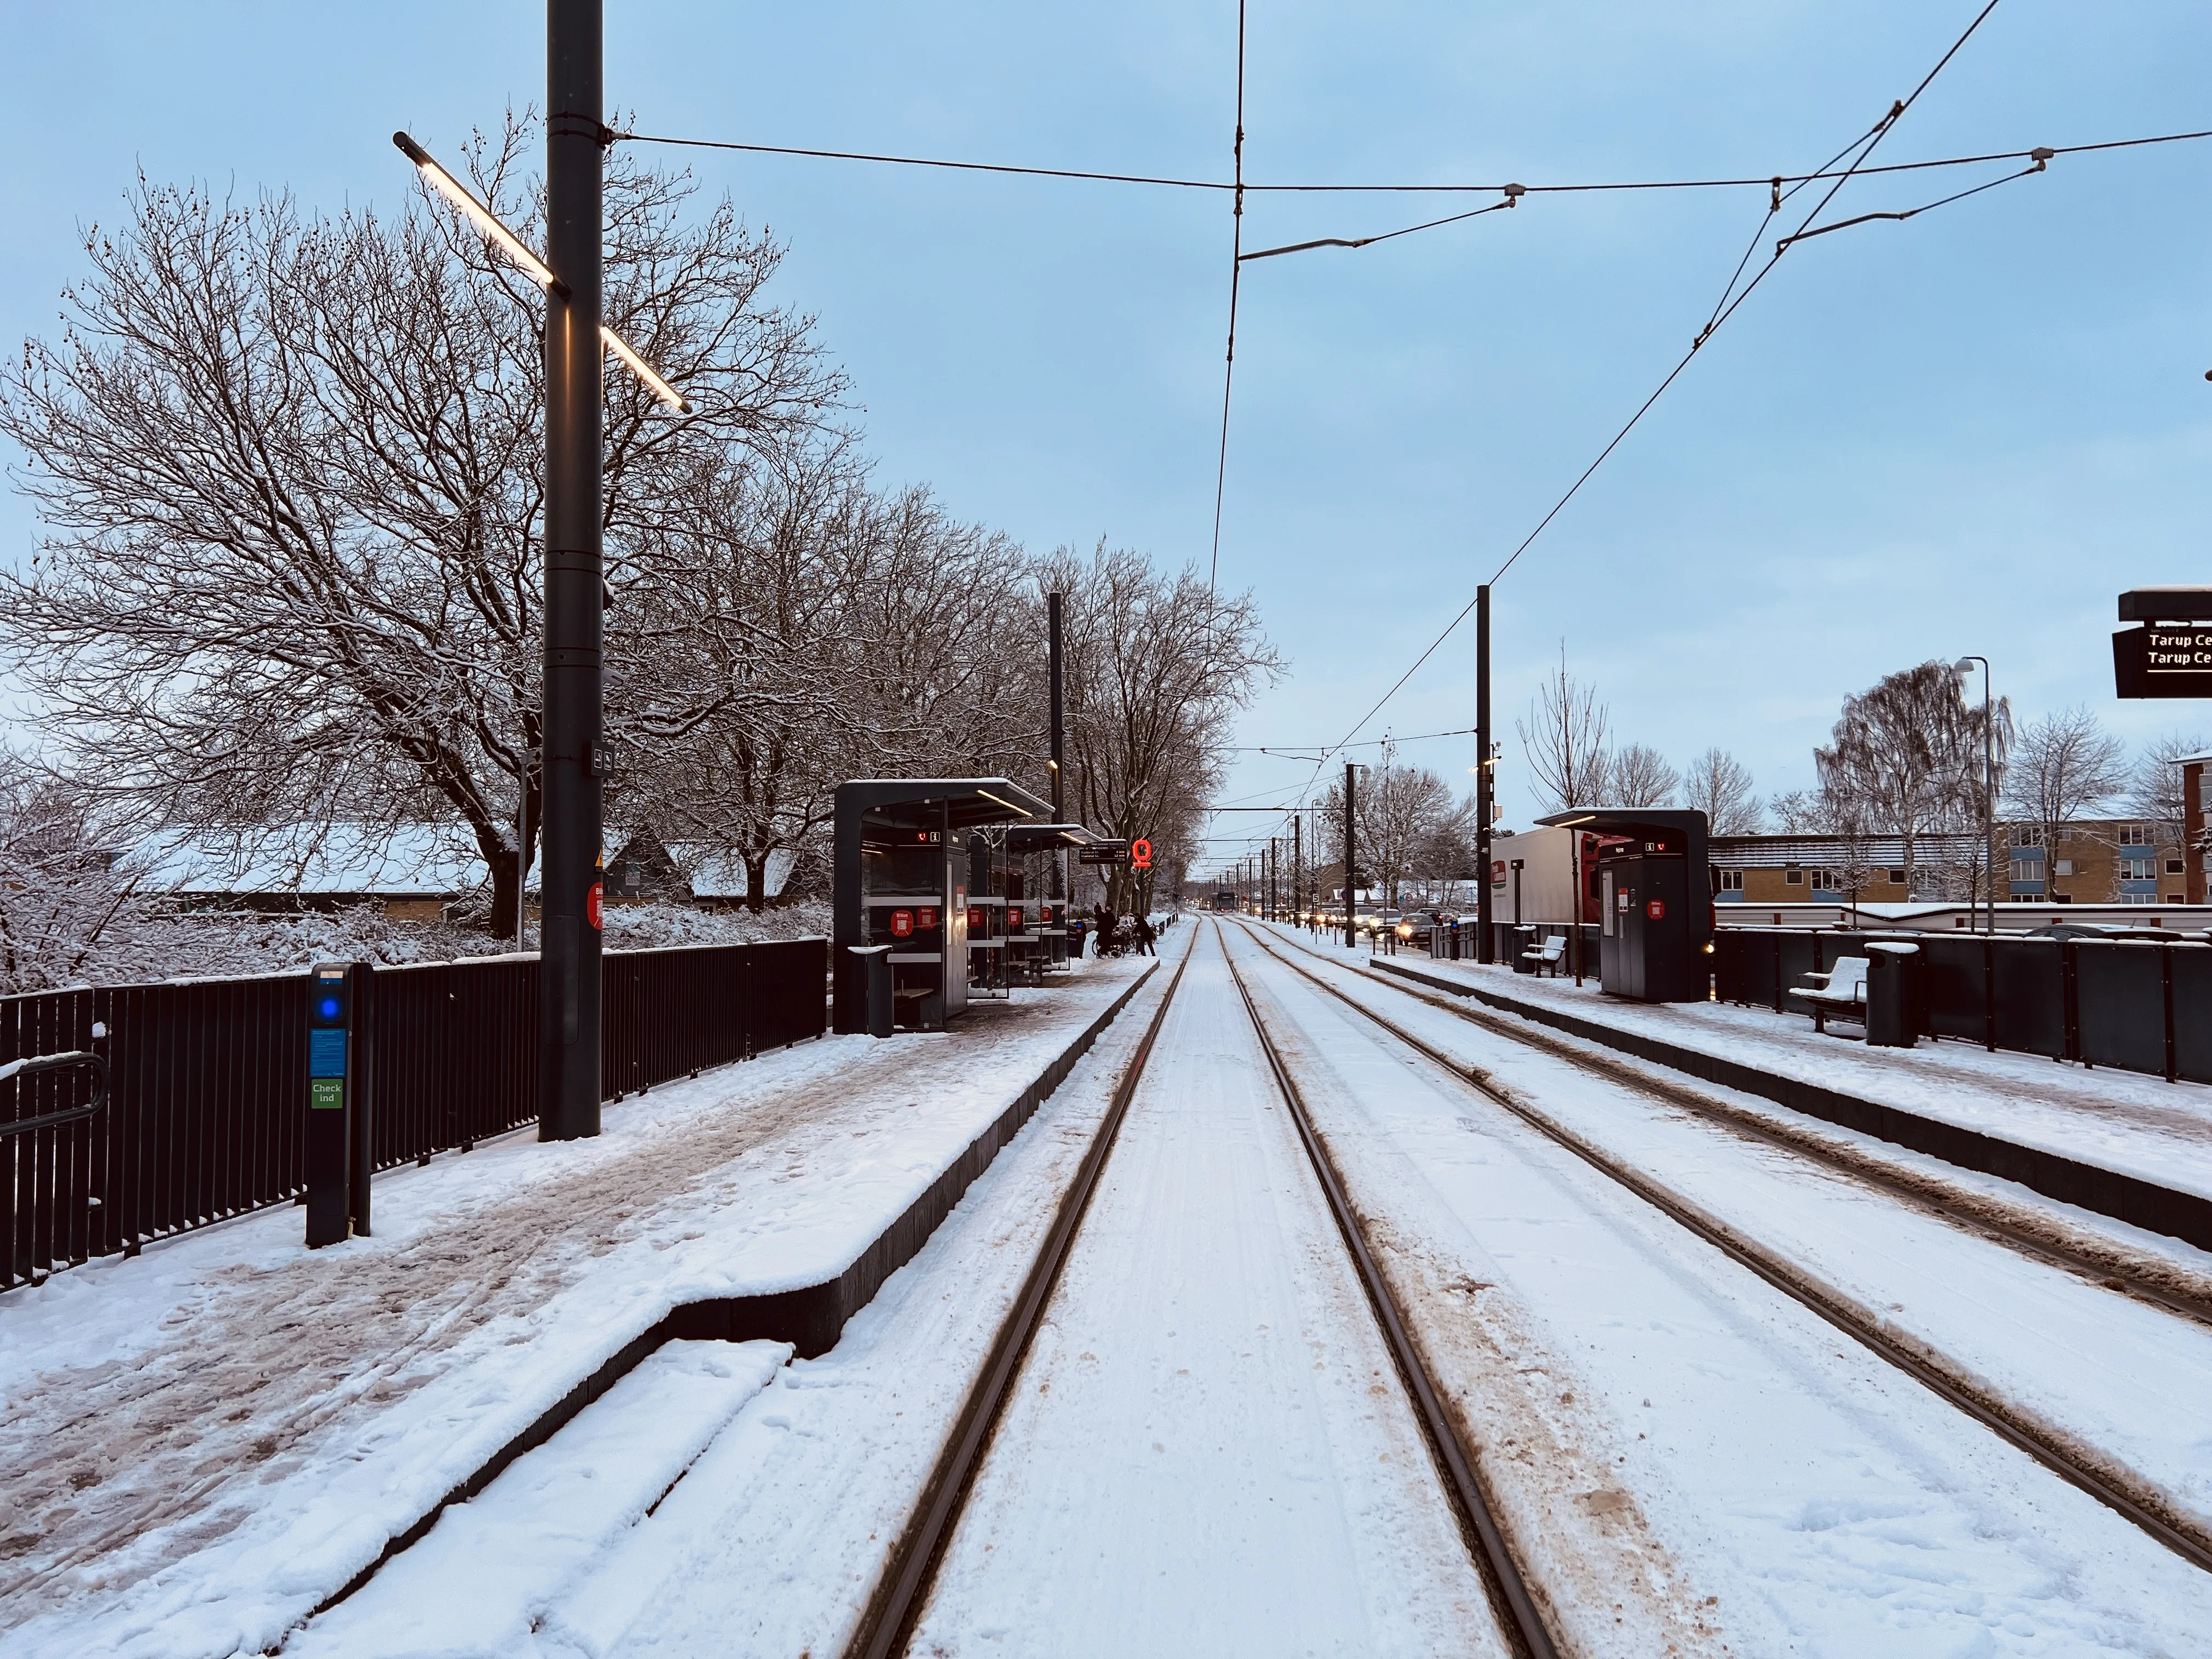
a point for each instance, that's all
(568, 1075)
(1483, 787)
(1059, 796)
(1350, 917)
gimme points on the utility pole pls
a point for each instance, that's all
(1483, 787)
(1297, 865)
(1274, 874)
(568, 1070)
(1351, 924)
(1059, 798)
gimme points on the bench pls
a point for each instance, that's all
(1841, 991)
(1549, 954)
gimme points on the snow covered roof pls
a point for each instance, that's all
(1779, 852)
(718, 873)
(428, 860)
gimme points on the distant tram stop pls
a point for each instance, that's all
(1655, 911)
(903, 915)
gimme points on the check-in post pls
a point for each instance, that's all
(330, 1029)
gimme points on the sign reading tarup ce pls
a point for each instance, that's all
(2169, 653)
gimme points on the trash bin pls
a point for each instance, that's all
(875, 959)
(1892, 970)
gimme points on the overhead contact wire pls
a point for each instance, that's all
(1860, 150)
(1235, 270)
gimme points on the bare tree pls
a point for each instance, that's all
(1566, 738)
(1719, 785)
(2154, 786)
(1156, 667)
(2065, 766)
(1903, 757)
(288, 470)
(1639, 776)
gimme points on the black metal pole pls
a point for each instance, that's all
(568, 1073)
(1297, 865)
(1482, 784)
(1351, 929)
(1059, 799)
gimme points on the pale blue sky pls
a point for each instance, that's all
(1961, 433)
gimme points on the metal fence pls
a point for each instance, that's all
(205, 1113)
(2136, 1005)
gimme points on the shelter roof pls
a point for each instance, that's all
(967, 802)
(1043, 837)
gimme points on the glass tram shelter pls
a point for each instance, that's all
(1655, 909)
(1036, 926)
(901, 894)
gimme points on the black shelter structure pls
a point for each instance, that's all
(898, 882)
(1654, 900)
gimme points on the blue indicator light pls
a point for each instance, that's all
(329, 1007)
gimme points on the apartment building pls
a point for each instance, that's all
(2096, 861)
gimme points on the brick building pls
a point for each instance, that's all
(2096, 861)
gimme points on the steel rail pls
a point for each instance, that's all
(2022, 1436)
(1509, 1590)
(887, 1623)
(1982, 1217)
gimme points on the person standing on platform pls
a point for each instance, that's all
(1145, 936)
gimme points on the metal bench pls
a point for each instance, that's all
(1841, 991)
(1550, 954)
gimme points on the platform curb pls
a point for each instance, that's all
(2140, 1203)
(811, 1318)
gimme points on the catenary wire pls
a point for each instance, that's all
(1228, 185)
(1235, 270)
(1863, 147)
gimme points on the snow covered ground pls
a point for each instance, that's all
(2122, 1120)
(1676, 1444)
(773, 1539)
(200, 1445)
(1208, 1451)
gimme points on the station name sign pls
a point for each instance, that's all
(2169, 653)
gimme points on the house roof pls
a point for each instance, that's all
(411, 860)
(718, 873)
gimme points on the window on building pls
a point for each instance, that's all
(2066, 867)
(2065, 832)
(2139, 869)
(1794, 878)
(2136, 835)
(1828, 881)
(1896, 877)
(1731, 881)
(2174, 866)
(2027, 834)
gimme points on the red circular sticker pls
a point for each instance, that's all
(976, 923)
(902, 924)
(592, 903)
(927, 917)
(1141, 854)
(1013, 916)
(1656, 909)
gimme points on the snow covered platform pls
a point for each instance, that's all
(2135, 1148)
(205, 1443)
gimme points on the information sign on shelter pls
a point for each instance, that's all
(2169, 653)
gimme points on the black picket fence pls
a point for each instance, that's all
(2134, 1006)
(205, 1114)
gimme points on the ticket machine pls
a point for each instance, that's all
(1655, 914)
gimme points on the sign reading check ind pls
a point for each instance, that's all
(2169, 653)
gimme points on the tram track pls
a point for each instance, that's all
(2082, 1466)
(893, 1614)
(2099, 1260)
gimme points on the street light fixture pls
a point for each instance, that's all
(518, 254)
(1963, 668)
